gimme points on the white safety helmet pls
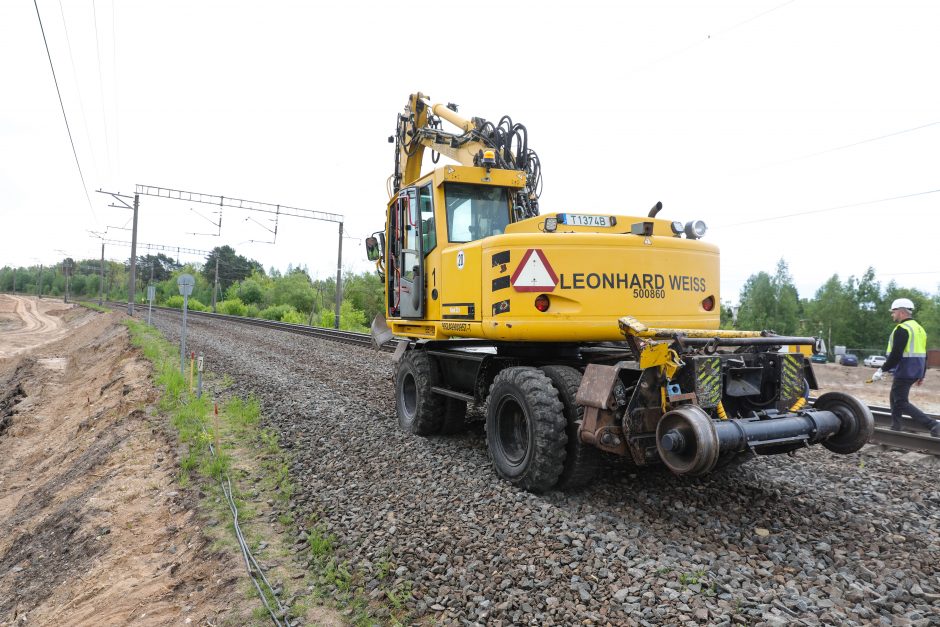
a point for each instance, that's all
(902, 303)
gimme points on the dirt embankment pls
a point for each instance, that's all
(93, 527)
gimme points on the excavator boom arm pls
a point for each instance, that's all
(420, 127)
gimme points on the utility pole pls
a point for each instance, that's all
(40, 281)
(132, 290)
(101, 278)
(215, 288)
(132, 282)
(67, 269)
(339, 278)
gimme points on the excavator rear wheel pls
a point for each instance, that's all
(581, 460)
(420, 411)
(525, 428)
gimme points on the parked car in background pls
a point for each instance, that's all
(818, 359)
(874, 361)
(849, 360)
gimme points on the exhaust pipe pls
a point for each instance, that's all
(690, 442)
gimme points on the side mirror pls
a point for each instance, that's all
(372, 249)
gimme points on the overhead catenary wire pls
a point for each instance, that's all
(117, 109)
(825, 209)
(705, 39)
(847, 146)
(64, 116)
(78, 90)
(104, 117)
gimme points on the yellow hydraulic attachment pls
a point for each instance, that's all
(630, 326)
(659, 354)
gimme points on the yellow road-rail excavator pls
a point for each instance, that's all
(583, 333)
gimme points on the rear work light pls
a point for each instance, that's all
(542, 302)
(709, 303)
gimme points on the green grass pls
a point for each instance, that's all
(238, 427)
(189, 415)
(91, 305)
(691, 578)
(320, 544)
(243, 414)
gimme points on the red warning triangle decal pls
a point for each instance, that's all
(534, 273)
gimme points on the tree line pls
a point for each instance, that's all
(854, 312)
(244, 287)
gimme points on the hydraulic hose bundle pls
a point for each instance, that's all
(419, 128)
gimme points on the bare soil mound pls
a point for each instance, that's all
(93, 527)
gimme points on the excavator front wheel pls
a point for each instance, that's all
(420, 411)
(525, 428)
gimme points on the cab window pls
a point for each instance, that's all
(475, 211)
(428, 228)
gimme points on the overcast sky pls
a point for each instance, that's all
(779, 123)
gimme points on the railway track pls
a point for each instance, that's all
(335, 335)
(912, 438)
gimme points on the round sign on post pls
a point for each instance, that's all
(186, 282)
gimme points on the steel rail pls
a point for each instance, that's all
(348, 337)
(918, 442)
(913, 437)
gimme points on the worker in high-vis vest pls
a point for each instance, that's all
(907, 360)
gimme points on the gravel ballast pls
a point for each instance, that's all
(813, 539)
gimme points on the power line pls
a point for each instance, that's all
(675, 53)
(117, 119)
(811, 211)
(852, 145)
(64, 117)
(756, 17)
(78, 89)
(104, 117)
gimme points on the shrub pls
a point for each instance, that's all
(350, 318)
(249, 291)
(175, 301)
(283, 313)
(195, 305)
(294, 317)
(253, 311)
(233, 307)
(274, 312)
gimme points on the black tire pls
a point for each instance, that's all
(525, 429)
(582, 461)
(455, 416)
(419, 410)
(857, 422)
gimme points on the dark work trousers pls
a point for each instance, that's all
(900, 388)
